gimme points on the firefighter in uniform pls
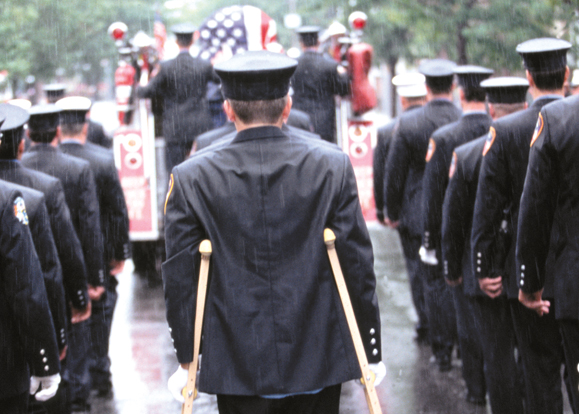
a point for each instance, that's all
(500, 185)
(115, 229)
(487, 321)
(29, 349)
(316, 81)
(548, 202)
(473, 123)
(412, 92)
(80, 195)
(268, 270)
(404, 172)
(182, 85)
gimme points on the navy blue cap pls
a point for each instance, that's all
(255, 76)
(16, 117)
(470, 76)
(506, 89)
(43, 118)
(544, 54)
(437, 68)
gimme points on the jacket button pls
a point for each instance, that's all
(44, 359)
(42, 352)
(46, 368)
(375, 352)
(373, 341)
(372, 331)
(522, 282)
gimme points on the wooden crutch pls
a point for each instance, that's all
(189, 392)
(368, 376)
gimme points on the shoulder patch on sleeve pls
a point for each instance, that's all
(489, 141)
(452, 169)
(20, 211)
(431, 149)
(538, 129)
(169, 191)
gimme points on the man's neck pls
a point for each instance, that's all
(81, 139)
(537, 93)
(447, 96)
(473, 106)
(240, 126)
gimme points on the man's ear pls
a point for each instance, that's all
(287, 109)
(229, 111)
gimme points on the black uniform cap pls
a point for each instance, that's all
(506, 89)
(470, 76)
(255, 76)
(13, 126)
(184, 31)
(308, 34)
(544, 54)
(43, 118)
(73, 109)
(54, 90)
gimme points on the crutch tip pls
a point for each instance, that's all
(205, 247)
(329, 236)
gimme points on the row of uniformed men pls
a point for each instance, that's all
(64, 220)
(485, 202)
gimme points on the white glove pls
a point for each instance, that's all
(48, 386)
(428, 256)
(177, 382)
(379, 371)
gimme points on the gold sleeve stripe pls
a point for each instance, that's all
(171, 182)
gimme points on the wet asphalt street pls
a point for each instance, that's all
(143, 357)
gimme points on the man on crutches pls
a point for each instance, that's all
(275, 335)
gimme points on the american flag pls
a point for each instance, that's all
(236, 29)
(160, 35)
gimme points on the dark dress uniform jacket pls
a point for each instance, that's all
(385, 135)
(407, 160)
(113, 208)
(96, 135)
(81, 198)
(315, 83)
(443, 142)
(182, 85)
(273, 318)
(65, 238)
(27, 341)
(457, 214)
(500, 185)
(550, 201)
(39, 224)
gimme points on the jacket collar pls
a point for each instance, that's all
(261, 132)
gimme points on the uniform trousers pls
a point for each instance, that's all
(494, 323)
(14, 405)
(410, 246)
(469, 343)
(326, 401)
(541, 349)
(570, 332)
(441, 314)
(78, 360)
(100, 332)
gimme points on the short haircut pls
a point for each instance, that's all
(71, 130)
(309, 41)
(184, 40)
(474, 94)
(10, 141)
(502, 109)
(44, 137)
(441, 84)
(549, 80)
(251, 112)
